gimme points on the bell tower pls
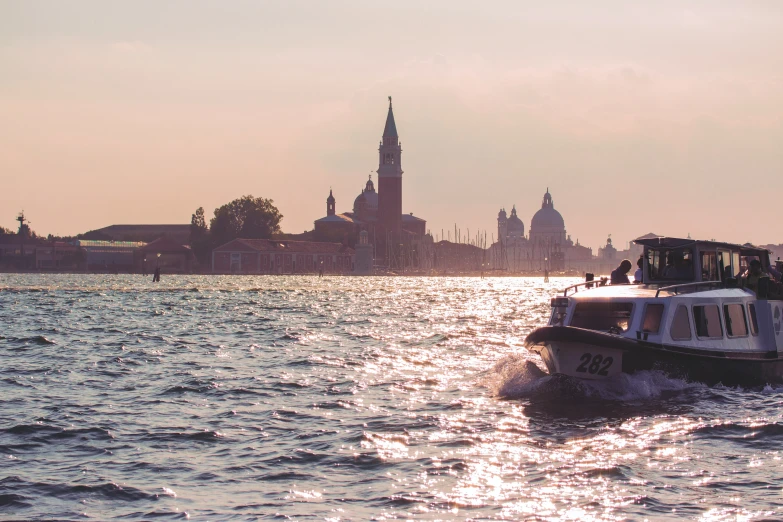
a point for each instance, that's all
(390, 178)
(330, 204)
(502, 226)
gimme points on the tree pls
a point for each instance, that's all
(200, 242)
(198, 225)
(246, 217)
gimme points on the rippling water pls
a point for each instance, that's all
(219, 398)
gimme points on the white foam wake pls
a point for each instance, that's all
(516, 376)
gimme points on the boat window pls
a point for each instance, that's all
(735, 263)
(724, 265)
(754, 324)
(734, 315)
(602, 315)
(670, 264)
(709, 266)
(652, 318)
(706, 318)
(681, 324)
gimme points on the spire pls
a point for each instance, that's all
(390, 130)
(547, 202)
(330, 204)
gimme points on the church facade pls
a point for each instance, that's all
(379, 213)
(546, 247)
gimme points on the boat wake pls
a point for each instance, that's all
(517, 377)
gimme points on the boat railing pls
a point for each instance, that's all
(695, 285)
(588, 284)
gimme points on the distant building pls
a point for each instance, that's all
(111, 256)
(608, 252)
(391, 232)
(547, 228)
(362, 264)
(275, 256)
(59, 255)
(39, 254)
(365, 206)
(143, 233)
(165, 253)
(334, 227)
(547, 246)
(11, 246)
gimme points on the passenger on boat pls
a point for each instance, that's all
(637, 276)
(775, 274)
(620, 274)
(750, 279)
(754, 274)
(678, 267)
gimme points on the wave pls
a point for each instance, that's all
(516, 377)
(745, 433)
(40, 340)
(13, 501)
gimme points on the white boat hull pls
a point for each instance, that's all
(585, 361)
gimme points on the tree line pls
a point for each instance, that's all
(246, 217)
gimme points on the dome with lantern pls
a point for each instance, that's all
(547, 217)
(547, 225)
(365, 206)
(515, 228)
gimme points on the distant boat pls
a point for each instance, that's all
(691, 317)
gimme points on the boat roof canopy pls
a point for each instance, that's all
(675, 242)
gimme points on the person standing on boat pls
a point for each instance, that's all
(620, 274)
(775, 274)
(637, 276)
(754, 274)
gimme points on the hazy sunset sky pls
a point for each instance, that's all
(639, 116)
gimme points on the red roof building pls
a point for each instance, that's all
(281, 256)
(166, 253)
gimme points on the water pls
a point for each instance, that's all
(220, 398)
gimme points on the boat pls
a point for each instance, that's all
(691, 317)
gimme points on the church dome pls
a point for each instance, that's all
(515, 225)
(360, 203)
(368, 197)
(547, 217)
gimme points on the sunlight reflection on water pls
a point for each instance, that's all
(349, 398)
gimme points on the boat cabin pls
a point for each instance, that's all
(672, 261)
(695, 310)
(684, 282)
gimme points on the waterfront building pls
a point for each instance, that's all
(59, 255)
(109, 256)
(379, 213)
(143, 233)
(365, 206)
(515, 229)
(164, 253)
(278, 256)
(18, 253)
(363, 257)
(608, 252)
(390, 177)
(547, 246)
(334, 227)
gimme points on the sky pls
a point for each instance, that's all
(639, 117)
